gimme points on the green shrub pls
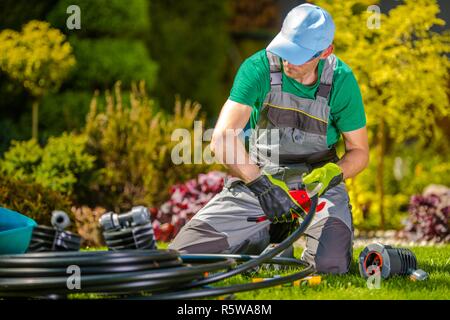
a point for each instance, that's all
(126, 22)
(61, 165)
(103, 62)
(65, 111)
(132, 145)
(108, 48)
(32, 200)
(15, 13)
(191, 40)
(21, 160)
(104, 17)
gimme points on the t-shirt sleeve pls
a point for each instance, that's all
(348, 113)
(247, 84)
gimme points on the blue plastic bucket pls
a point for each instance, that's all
(15, 231)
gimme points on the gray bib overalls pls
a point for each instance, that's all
(290, 139)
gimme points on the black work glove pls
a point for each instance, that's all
(273, 195)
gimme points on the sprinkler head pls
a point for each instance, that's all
(388, 260)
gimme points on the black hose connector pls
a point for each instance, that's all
(131, 230)
(390, 261)
(54, 238)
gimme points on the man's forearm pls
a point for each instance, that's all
(239, 164)
(353, 162)
(231, 152)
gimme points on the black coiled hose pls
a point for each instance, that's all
(162, 274)
(101, 271)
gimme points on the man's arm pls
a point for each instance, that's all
(230, 150)
(356, 157)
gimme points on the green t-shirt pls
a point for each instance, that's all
(252, 83)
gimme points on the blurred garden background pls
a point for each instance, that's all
(86, 115)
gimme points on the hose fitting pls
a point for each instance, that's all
(130, 230)
(54, 238)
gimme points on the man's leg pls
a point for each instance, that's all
(329, 238)
(329, 246)
(222, 227)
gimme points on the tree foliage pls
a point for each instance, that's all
(402, 69)
(100, 18)
(39, 57)
(190, 41)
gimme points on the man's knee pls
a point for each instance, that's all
(333, 265)
(330, 247)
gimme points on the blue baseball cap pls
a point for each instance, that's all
(307, 30)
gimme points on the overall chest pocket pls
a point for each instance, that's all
(281, 117)
(298, 131)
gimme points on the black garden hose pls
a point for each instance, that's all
(258, 260)
(102, 271)
(162, 273)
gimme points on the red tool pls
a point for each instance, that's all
(302, 196)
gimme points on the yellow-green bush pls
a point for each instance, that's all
(132, 144)
(61, 165)
(408, 170)
(39, 57)
(402, 70)
(32, 200)
(366, 207)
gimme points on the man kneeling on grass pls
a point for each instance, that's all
(299, 89)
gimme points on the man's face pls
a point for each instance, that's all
(298, 71)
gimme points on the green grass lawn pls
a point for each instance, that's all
(434, 260)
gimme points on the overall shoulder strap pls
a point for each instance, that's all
(276, 75)
(326, 79)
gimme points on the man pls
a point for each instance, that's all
(309, 97)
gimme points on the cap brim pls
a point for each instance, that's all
(289, 51)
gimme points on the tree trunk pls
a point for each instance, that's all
(35, 119)
(381, 137)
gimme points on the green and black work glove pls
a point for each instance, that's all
(329, 175)
(273, 195)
